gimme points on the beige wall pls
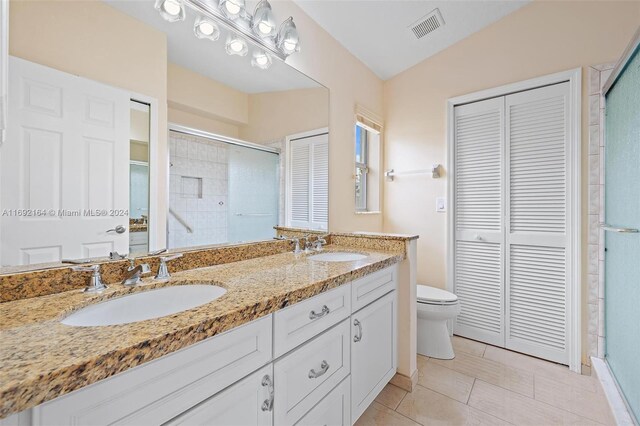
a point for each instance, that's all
(274, 115)
(350, 82)
(99, 43)
(539, 39)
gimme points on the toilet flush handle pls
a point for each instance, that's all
(478, 237)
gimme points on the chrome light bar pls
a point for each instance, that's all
(206, 9)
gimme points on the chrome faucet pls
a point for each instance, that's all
(320, 242)
(308, 245)
(135, 273)
(296, 241)
(163, 271)
(95, 284)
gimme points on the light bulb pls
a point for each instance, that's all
(172, 7)
(232, 8)
(288, 41)
(263, 23)
(236, 45)
(206, 29)
(261, 60)
(264, 28)
(170, 10)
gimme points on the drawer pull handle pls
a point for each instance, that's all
(358, 336)
(267, 405)
(313, 315)
(324, 367)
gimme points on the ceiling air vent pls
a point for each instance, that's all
(427, 24)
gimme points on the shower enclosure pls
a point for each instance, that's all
(622, 239)
(222, 190)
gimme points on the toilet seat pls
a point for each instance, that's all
(435, 296)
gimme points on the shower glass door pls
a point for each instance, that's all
(253, 194)
(622, 241)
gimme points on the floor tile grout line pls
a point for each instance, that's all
(473, 385)
(407, 417)
(440, 393)
(536, 400)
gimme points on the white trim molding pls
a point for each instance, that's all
(4, 67)
(574, 78)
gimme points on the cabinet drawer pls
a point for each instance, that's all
(308, 374)
(372, 287)
(238, 405)
(298, 323)
(158, 391)
(333, 410)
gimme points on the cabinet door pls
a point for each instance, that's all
(333, 410)
(373, 351)
(246, 403)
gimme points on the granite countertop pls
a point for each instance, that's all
(41, 359)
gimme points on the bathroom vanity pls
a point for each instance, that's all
(292, 341)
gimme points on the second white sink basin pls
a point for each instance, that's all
(145, 305)
(338, 256)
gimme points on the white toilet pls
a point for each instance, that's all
(435, 308)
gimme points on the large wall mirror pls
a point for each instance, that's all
(126, 134)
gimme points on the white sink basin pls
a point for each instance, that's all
(145, 305)
(338, 256)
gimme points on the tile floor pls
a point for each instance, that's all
(485, 385)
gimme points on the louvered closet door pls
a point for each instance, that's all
(478, 272)
(537, 148)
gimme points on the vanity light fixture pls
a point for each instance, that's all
(205, 28)
(288, 41)
(259, 29)
(236, 46)
(233, 9)
(171, 10)
(261, 60)
(263, 23)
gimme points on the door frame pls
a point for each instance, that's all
(574, 213)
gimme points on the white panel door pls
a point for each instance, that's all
(537, 221)
(66, 158)
(478, 210)
(308, 182)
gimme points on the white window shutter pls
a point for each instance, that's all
(308, 182)
(320, 184)
(478, 176)
(537, 145)
(300, 176)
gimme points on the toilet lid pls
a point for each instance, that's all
(432, 294)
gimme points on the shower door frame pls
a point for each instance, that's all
(574, 215)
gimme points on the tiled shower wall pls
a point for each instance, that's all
(198, 186)
(598, 76)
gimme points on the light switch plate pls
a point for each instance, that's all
(441, 204)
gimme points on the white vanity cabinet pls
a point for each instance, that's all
(246, 403)
(373, 351)
(321, 361)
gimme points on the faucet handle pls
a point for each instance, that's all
(95, 284)
(163, 270)
(93, 268)
(170, 257)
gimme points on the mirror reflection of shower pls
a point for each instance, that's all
(221, 190)
(139, 178)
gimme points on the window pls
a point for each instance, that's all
(367, 166)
